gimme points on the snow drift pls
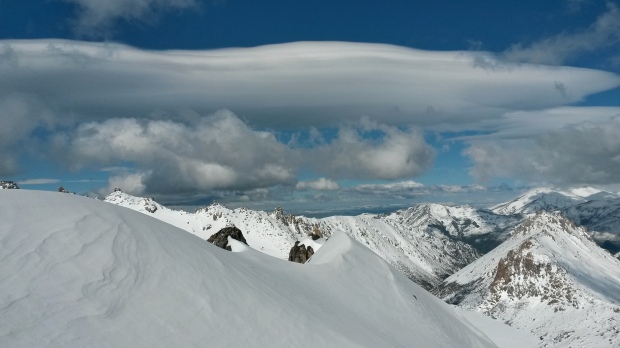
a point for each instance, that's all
(79, 272)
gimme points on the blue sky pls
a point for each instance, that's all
(318, 106)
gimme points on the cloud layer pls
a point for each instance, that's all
(366, 106)
(580, 153)
(291, 85)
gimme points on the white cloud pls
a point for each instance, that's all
(586, 153)
(132, 183)
(220, 152)
(295, 85)
(603, 33)
(38, 182)
(320, 184)
(529, 124)
(217, 152)
(96, 17)
(371, 150)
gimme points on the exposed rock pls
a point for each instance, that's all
(8, 185)
(299, 253)
(62, 190)
(149, 205)
(220, 238)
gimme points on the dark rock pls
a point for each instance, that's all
(62, 190)
(299, 253)
(8, 185)
(220, 238)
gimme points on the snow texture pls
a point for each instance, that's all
(549, 278)
(77, 272)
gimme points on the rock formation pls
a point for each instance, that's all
(299, 253)
(220, 238)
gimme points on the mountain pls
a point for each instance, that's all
(422, 242)
(549, 278)
(598, 211)
(77, 272)
(546, 199)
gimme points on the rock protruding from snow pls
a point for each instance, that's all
(300, 253)
(90, 274)
(8, 185)
(220, 239)
(547, 274)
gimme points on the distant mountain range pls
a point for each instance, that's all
(535, 262)
(427, 242)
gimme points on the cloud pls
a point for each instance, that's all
(320, 184)
(371, 150)
(217, 152)
(221, 152)
(288, 86)
(96, 18)
(530, 124)
(603, 33)
(38, 182)
(586, 153)
(20, 116)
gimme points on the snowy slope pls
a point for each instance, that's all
(425, 254)
(598, 211)
(542, 199)
(550, 278)
(77, 272)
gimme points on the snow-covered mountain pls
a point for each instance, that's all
(550, 278)
(77, 272)
(598, 211)
(423, 242)
(547, 199)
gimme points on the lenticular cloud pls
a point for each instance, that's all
(288, 85)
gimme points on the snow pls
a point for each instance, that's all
(403, 238)
(77, 272)
(569, 296)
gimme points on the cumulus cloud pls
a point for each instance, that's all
(603, 33)
(371, 150)
(586, 153)
(221, 152)
(96, 17)
(320, 184)
(294, 85)
(217, 152)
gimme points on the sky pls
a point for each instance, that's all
(317, 106)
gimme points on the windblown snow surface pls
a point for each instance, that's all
(76, 272)
(422, 241)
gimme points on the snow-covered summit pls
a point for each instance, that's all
(548, 199)
(77, 272)
(545, 276)
(424, 253)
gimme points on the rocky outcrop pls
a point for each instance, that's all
(150, 205)
(62, 190)
(299, 253)
(7, 185)
(220, 238)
